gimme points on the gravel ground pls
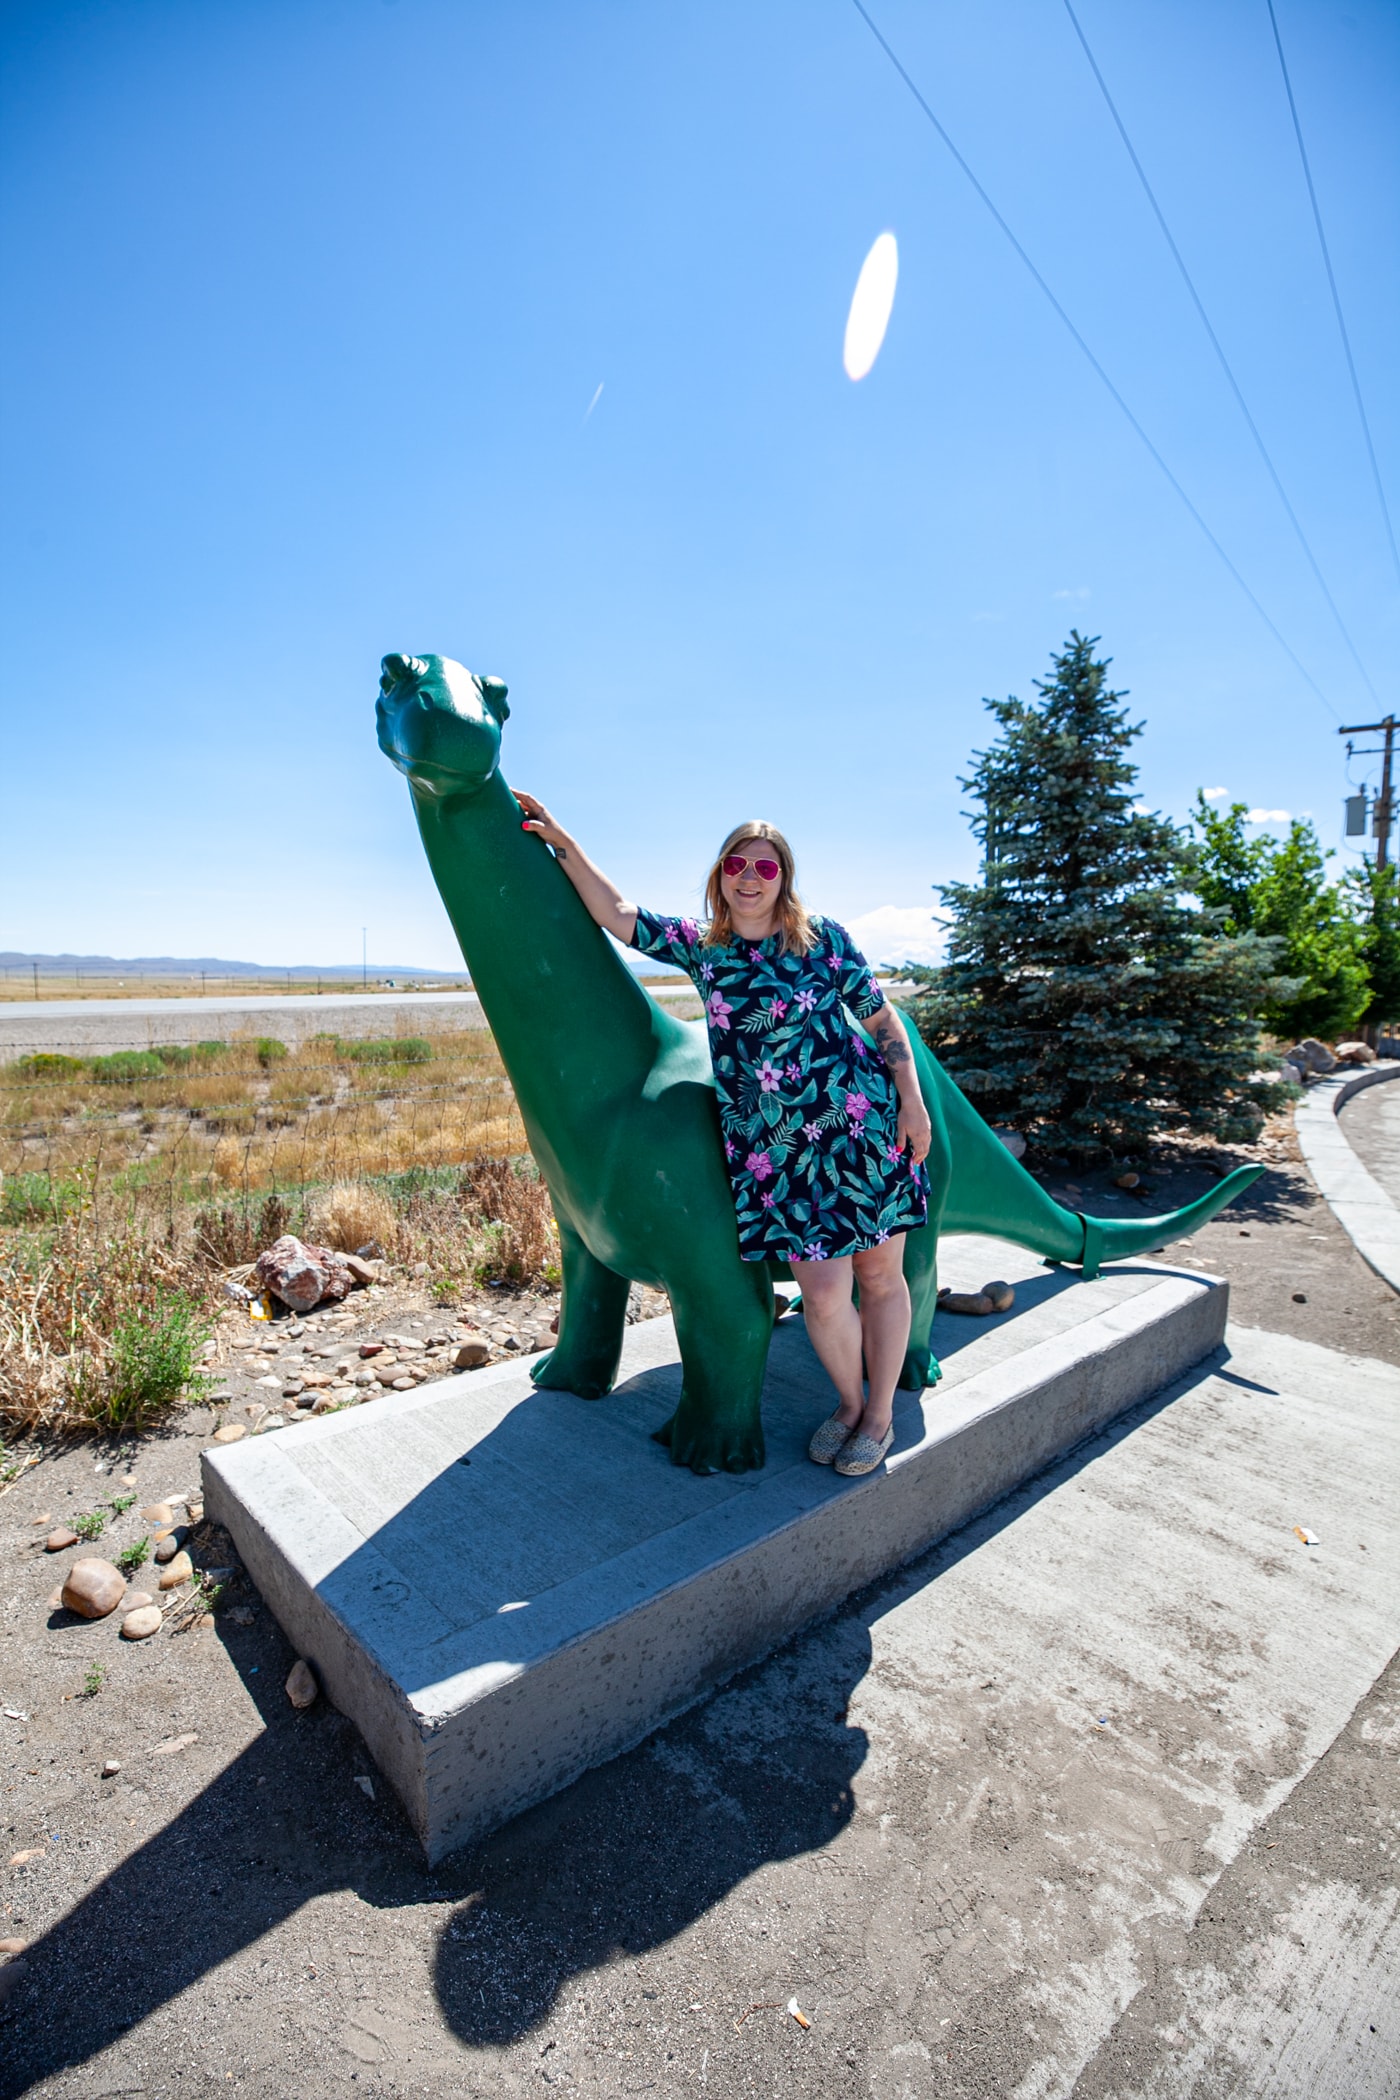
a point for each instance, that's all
(242, 1902)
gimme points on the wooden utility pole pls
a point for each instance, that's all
(1384, 801)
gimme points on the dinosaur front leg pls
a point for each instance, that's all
(591, 1323)
(724, 1323)
(921, 1367)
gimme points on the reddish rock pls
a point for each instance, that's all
(176, 1571)
(57, 1540)
(371, 1348)
(93, 1588)
(302, 1275)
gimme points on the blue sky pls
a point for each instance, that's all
(307, 303)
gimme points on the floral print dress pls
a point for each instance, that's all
(807, 1111)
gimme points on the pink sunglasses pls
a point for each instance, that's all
(766, 870)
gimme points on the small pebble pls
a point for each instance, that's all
(58, 1540)
(230, 1433)
(169, 1545)
(371, 1348)
(404, 1384)
(365, 1784)
(157, 1513)
(135, 1600)
(141, 1624)
(179, 1570)
(128, 1480)
(1300, 1297)
(111, 1768)
(470, 1356)
(302, 1688)
(47, 1518)
(196, 1512)
(13, 1946)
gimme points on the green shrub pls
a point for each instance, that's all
(36, 1199)
(90, 1524)
(174, 1056)
(133, 1557)
(49, 1064)
(206, 1050)
(125, 1067)
(154, 1357)
(386, 1050)
(267, 1050)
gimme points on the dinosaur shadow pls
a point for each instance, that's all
(621, 1862)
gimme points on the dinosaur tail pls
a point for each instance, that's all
(991, 1192)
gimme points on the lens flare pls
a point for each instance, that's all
(871, 304)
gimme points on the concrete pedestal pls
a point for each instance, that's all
(502, 1587)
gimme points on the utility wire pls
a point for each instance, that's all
(894, 60)
(1216, 345)
(1336, 295)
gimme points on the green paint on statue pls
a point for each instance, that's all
(618, 1101)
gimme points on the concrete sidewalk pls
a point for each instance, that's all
(1100, 1797)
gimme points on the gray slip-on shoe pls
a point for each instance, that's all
(862, 1454)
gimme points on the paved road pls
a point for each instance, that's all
(1099, 1799)
(83, 1025)
(1371, 1124)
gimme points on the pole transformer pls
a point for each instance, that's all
(1384, 807)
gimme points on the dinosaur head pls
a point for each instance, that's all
(440, 723)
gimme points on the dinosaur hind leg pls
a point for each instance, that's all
(591, 1324)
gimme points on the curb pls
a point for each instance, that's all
(1353, 1195)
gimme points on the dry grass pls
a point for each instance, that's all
(123, 1202)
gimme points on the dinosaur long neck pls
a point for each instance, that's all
(573, 1026)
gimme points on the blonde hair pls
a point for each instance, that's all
(794, 928)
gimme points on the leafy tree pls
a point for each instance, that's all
(1279, 888)
(1375, 894)
(1082, 1000)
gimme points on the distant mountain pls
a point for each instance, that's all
(211, 965)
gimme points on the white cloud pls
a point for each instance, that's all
(1215, 794)
(897, 933)
(1269, 816)
(1142, 809)
(1083, 591)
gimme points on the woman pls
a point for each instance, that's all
(824, 1143)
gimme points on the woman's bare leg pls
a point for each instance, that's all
(884, 1323)
(833, 1324)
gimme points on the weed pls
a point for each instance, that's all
(37, 1199)
(120, 1504)
(90, 1525)
(125, 1067)
(49, 1064)
(396, 1050)
(95, 1679)
(154, 1358)
(133, 1557)
(268, 1050)
(174, 1056)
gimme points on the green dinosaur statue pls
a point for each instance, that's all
(618, 1101)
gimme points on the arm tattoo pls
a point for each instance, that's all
(560, 853)
(891, 1044)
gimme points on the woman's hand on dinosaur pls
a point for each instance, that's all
(914, 1129)
(538, 820)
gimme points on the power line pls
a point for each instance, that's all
(890, 54)
(1336, 295)
(1218, 348)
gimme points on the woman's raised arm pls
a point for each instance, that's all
(602, 898)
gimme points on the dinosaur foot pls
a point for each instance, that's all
(920, 1369)
(708, 1446)
(555, 1374)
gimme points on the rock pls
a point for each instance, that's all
(1001, 1295)
(18, 1946)
(195, 1512)
(93, 1588)
(179, 1570)
(302, 1275)
(323, 1403)
(1126, 1181)
(169, 1545)
(157, 1512)
(404, 1384)
(554, 1324)
(302, 1688)
(406, 1344)
(315, 1378)
(371, 1348)
(55, 1599)
(110, 1768)
(241, 1615)
(46, 1518)
(292, 1386)
(363, 1377)
(12, 1976)
(1311, 1056)
(140, 1625)
(305, 1400)
(273, 1381)
(1300, 1297)
(57, 1540)
(1355, 1054)
(361, 1270)
(975, 1303)
(1013, 1141)
(512, 1341)
(470, 1356)
(230, 1433)
(136, 1600)
(387, 1373)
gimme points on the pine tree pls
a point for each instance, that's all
(1082, 1001)
(1376, 896)
(1279, 888)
